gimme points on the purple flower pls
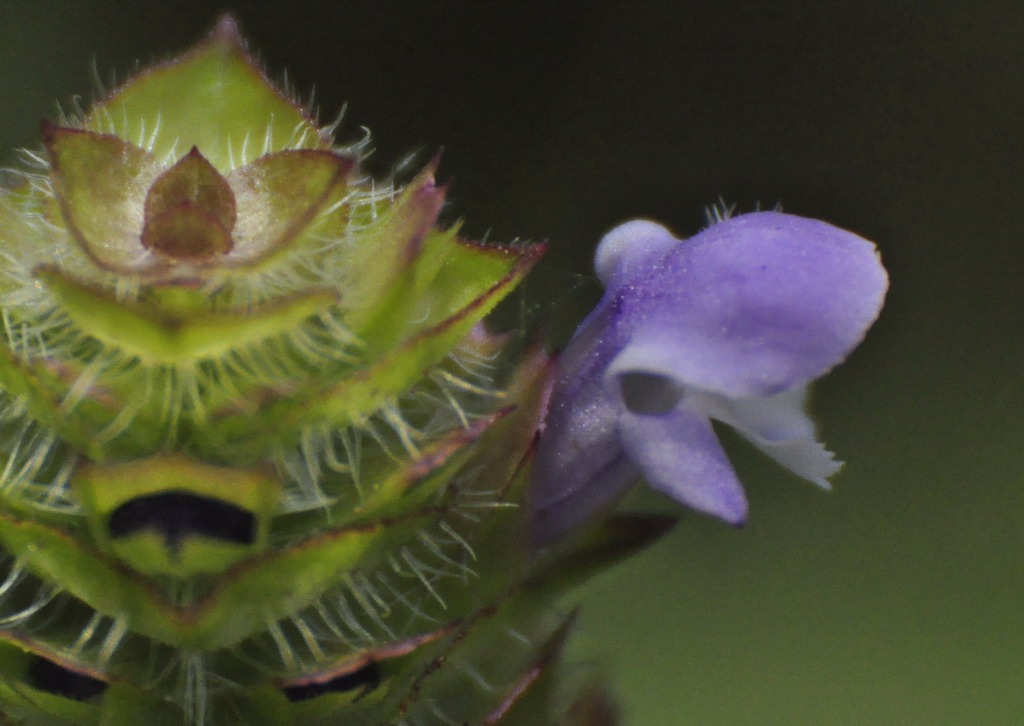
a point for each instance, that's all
(731, 325)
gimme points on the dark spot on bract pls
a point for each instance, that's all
(51, 677)
(177, 515)
(367, 678)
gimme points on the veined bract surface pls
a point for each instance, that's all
(262, 463)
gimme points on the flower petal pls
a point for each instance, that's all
(631, 251)
(680, 455)
(752, 306)
(608, 474)
(580, 467)
(780, 427)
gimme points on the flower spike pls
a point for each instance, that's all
(261, 461)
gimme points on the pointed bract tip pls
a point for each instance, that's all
(226, 30)
(48, 130)
(429, 170)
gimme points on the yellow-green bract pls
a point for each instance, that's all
(261, 462)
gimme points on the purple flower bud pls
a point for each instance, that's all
(731, 324)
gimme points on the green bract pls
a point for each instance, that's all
(262, 464)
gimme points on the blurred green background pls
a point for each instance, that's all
(897, 599)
